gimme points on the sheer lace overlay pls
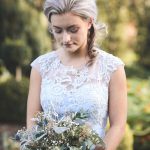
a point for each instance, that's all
(68, 89)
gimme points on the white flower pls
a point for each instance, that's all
(60, 130)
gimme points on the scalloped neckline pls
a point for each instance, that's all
(82, 67)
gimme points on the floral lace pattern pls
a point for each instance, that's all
(68, 89)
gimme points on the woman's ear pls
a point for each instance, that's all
(90, 22)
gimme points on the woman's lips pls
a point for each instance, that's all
(68, 45)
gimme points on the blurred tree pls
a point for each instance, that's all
(19, 21)
(1, 67)
(115, 15)
(38, 4)
(13, 103)
(128, 26)
(15, 54)
(141, 14)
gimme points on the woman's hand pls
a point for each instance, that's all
(99, 147)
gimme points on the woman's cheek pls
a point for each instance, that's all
(57, 38)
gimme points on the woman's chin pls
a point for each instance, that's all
(70, 49)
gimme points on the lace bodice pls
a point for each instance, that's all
(68, 89)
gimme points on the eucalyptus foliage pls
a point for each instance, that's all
(67, 132)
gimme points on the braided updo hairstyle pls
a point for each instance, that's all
(85, 9)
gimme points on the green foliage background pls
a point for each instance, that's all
(24, 36)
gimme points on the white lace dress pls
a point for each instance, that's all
(68, 89)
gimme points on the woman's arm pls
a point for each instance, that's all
(117, 109)
(33, 102)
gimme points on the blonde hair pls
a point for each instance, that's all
(83, 8)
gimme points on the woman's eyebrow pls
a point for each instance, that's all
(57, 27)
(71, 26)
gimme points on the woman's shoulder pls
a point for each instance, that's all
(108, 58)
(44, 60)
(108, 63)
(49, 56)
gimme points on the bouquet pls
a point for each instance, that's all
(53, 132)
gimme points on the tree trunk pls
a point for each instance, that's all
(18, 73)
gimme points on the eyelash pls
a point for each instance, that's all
(59, 31)
(75, 30)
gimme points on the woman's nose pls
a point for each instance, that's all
(66, 37)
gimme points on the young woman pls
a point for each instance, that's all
(78, 76)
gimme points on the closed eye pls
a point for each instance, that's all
(57, 30)
(73, 29)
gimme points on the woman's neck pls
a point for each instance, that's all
(75, 55)
(77, 58)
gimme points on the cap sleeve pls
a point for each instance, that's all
(44, 63)
(109, 64)
(113, 63)
(36, 64)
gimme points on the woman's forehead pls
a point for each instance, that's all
(66, 19)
